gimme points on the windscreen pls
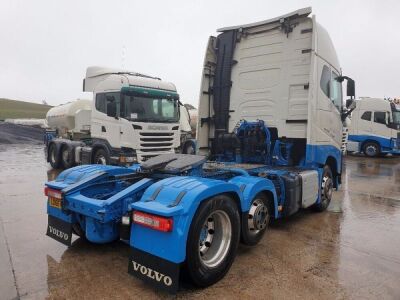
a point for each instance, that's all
(396, 117)
(147, 109)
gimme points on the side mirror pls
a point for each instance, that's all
(351, 88)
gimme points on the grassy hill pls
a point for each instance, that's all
(13, 109)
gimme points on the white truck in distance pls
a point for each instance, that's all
(375, 127)
(132, 117)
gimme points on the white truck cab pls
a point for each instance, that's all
(135, 111)
(375, 127)
(131, 118)
(283, 71)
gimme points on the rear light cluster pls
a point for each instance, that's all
(52, 193)
(152, 221)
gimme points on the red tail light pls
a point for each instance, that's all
(152, 221)
(52, 193)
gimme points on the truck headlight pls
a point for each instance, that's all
(127, 159)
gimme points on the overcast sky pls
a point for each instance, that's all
(45, 46)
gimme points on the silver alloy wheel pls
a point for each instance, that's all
(190, 150)
(258, 217)
(215, 238)
(101, 160)
(53, 156)
(65, 155)
(327, 188)
(371, 150)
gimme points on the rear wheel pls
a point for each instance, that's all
(371, 149)
(77, 229)
(212, 241)
(255, 222)
(66, 157)
(54, 157)
(101, 157)
(326, 189)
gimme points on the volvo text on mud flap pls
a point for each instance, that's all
(59, 230)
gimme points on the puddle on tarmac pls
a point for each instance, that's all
(351, 251)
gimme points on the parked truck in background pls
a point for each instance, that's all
(375, 128)
(131, 118)
(270, 120)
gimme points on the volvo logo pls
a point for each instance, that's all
(157, 127)
(58, 233)
(152, 274)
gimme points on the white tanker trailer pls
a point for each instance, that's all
(131, 118)
(71, 118)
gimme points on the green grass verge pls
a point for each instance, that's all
(13, 109)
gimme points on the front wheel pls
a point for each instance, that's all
(212, 241)
(372, 149)
(189, 148)
(326, 189)
(101, 157)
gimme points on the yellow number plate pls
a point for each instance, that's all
(55, 202)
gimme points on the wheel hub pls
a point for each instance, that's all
(258, 216)
(215, 238)
(101, 160)
(327, 188)
(53, 156)
(65, 156)
(371, 149)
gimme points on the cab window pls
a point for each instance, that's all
(336, 91)
(108, 103)
(325, 80)
(101, 103)
(366, 116)
(380, 117)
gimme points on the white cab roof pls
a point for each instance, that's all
(297, 13)
(101, 78)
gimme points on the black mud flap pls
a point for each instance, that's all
(160, 273)
(59, 230)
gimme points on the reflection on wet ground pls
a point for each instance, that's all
(350, 254)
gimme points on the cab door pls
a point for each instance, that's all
(364, 126)
(380, 127)
(105, 118)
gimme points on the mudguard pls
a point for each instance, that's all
(179, 198)
(250, 186)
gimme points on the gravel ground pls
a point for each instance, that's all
(20, 134)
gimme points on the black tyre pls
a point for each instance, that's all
(101, 157)
(77, 229)
(326, 190)
(371, 149)
(189, 148)
(54, 156)
(67, 159)
(212, 241)
(255, 222)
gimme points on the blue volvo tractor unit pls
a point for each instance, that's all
(270, 128)
(182, 213)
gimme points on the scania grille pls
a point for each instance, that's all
(156, 141)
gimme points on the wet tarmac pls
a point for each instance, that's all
(350, 251)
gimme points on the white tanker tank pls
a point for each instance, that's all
(72, 117)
